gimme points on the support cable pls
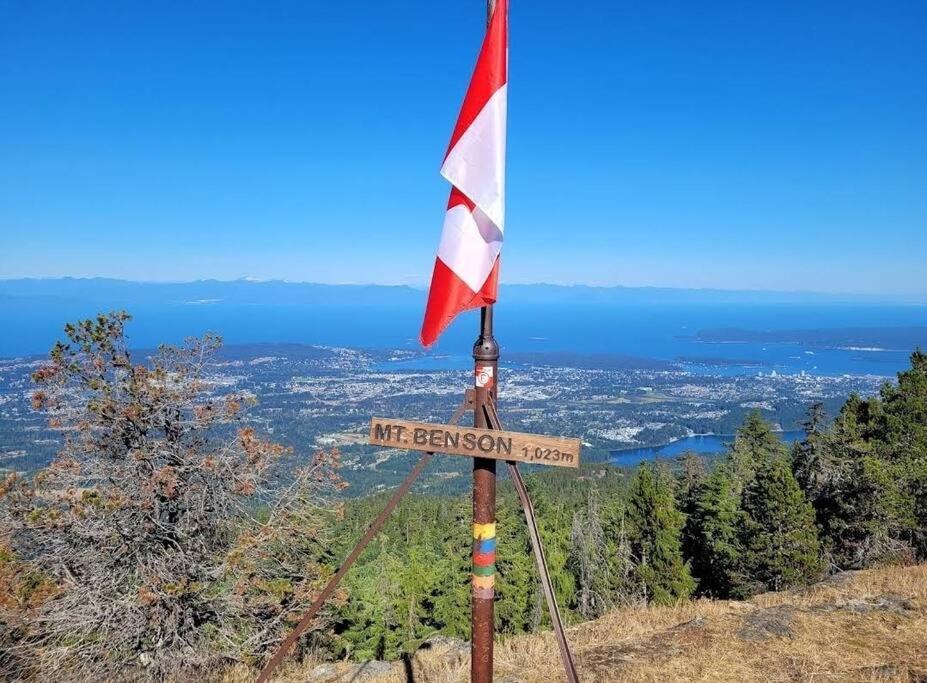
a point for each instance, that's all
(368, 536)
(565, 655)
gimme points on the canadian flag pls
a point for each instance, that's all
(466, 273)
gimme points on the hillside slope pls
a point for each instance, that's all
(856, 626)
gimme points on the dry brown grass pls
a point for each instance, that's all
(857, 626)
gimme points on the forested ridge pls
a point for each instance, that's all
(154, 547)
(851, 495)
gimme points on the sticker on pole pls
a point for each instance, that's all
(484, 377)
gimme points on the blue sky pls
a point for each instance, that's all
(771, 145)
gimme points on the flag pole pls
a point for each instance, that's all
(482, 617)
(486, 364)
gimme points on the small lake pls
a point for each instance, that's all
(703, 444)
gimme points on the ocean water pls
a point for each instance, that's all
(703, 444)
(659, 331)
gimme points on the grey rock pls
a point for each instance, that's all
(329, 673)
(771, 622)
(445, 644)
(883, 603)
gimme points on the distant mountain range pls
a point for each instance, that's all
(111, 292)
(622, 325)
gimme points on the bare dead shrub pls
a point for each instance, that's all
(279, 564)
(127, 534)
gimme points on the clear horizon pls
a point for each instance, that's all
(729, 147)
(882, 297)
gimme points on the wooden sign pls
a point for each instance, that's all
(475, 443)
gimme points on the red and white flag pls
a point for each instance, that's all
(466, 273)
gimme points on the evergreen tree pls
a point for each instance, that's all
(903, 424)
(864, 493)
(809, 457)
(754, 444)
(553, 519)
(452, 603)
(779, 535)
(904, 418)
(517, 606)
(693, 476)
(369, 625)
(655, 538)
(692, 481)
(410, 584)
(852, 498)
(715, 531)
(919, 491)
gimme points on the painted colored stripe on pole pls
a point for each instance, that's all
(484, 559)
(483, 586)
(484, 531)
(483, 593)
(484, 581)
(483, 553)
(484, 571)
(487, 545)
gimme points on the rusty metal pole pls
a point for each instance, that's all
(486, 365)
(482, 619)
